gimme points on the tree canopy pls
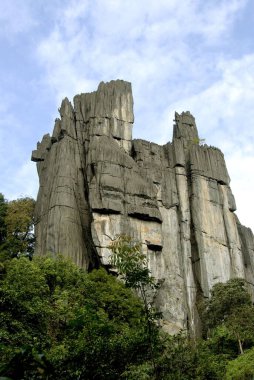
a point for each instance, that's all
(16, 226)
(3, 211)
(230, 306)
(60, 322)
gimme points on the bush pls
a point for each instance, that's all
(59, 322)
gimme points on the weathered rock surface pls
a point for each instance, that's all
(96, 183)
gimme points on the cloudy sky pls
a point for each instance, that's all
(191, 55)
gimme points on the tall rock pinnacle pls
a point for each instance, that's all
(96, 183)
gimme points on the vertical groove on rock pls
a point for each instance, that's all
(247, 246)
(94, 261)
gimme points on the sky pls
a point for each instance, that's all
(183, 55)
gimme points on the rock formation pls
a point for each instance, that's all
(96, 183)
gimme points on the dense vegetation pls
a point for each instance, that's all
(16, 227)
(58, 322)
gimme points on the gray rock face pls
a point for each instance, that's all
(96, 183)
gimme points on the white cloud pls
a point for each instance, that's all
(18, 175)
(15, 18)
(164, 49)
(224, 110)
(218, 17)
(25, 182)
(242, 183)
(148, 44)
(173, 53)
(225, 118)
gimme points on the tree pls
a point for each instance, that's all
(241, 325)
(17, 223)
(131, 263)
(58, 322)
(230, 305)
(242, 368)
(3, 210)
(195, 141)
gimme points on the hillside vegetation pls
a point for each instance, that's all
(58, 322)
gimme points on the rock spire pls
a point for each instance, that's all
(96, 183)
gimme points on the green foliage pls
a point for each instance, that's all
(226, 300)
(177, 360)
(19, 223)
(198, 141)
(241, 325)
(130, 262)
(16, 227)
(127, 257)
(229, 318)
(3, 211)
(195, 141)
(212, 356)
(242, 368)
(59, 322)
(230, 305)
(183, 359)
(221, 342)
(142, 371)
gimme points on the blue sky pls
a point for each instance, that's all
(191, 55)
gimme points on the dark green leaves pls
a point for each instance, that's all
(16, 227)
(59, 322)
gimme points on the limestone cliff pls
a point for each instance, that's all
(96, 183)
